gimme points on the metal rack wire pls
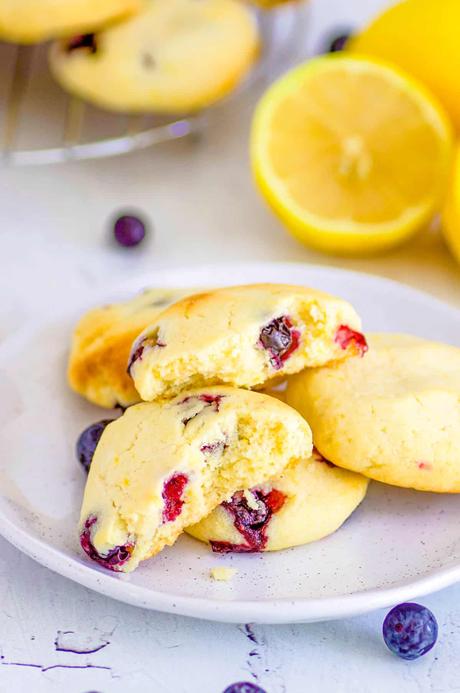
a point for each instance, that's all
(40, 124)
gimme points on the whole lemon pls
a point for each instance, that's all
(423, 37)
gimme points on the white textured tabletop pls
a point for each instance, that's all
(54, 247)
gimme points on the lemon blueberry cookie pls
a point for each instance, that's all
(175, 56)
(393, 416)
(31, 21)
(244, 336)
(309, 500)
(163, 466)
(101, 344)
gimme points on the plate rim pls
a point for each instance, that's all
(269, 611)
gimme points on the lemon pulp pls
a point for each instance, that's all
(351, 153)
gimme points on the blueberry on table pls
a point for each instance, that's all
(244, 687)
(129, 230)
(87, 442)
(338, 43)
(410, 630)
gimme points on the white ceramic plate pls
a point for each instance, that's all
(398, 545)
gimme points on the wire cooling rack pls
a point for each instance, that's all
(41, 124)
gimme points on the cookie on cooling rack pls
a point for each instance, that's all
(173, 57)
(32, 21)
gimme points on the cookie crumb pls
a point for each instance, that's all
(222, 574)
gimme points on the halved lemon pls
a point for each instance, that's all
(451, 213)
(351, 153)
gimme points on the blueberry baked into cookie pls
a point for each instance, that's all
(393, 416)
(175, 56)
(163, 466)
(32, 21)
(309, 500)
(244, 336)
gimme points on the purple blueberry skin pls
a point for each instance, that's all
(244, 687)
(87, 442)
(115, 558)
(338, 43)
(129, 230)
(276, 336)
(410, 630)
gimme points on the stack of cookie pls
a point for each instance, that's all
(138, 56)
(207, 451)
(218, 449)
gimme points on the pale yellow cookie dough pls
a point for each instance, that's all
(32, 21)
(175, 56)
(393, 415)
(244, 336)
(307, 501)
(101, 344)
(164, 466)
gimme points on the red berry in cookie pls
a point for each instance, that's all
(346, 337)
(173, 491)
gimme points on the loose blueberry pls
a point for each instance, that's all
(280, 339)
(113, 559)
(251, 522)
(244, 687)
(346, 337)
(129, 230)
(410, 630)
(87, 442)
(338, 43)
(82, 41)
(173, 490)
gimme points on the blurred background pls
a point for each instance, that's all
(195, 192)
